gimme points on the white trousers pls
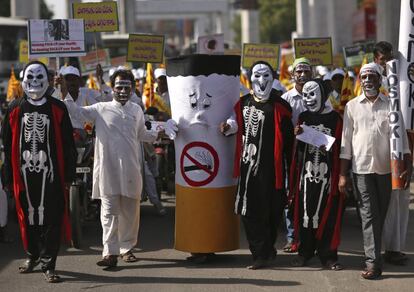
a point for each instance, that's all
(3, 207)
(396, 222)
(120, 224)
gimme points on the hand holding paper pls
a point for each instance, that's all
(311, 136)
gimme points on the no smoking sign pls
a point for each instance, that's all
(199, 163)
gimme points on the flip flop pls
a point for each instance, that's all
(334, 266)
(129, 257)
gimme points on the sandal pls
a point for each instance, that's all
(371, 274)
(298, 261)
(129, 257)
(51, 276)
(28, 266)
(334, 266)
(290, 247)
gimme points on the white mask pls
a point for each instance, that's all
(312, 96)
(35, 82)
(262, 80)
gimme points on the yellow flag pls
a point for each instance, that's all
(284, 76)
(148, 95)
(14, 89)
(347, 92)
(357, 88)
(244, 81)
(92, 82)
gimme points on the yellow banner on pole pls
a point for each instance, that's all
(317, 50)
(146, 48)
(98, 16)
(24, 54)
(261, 52)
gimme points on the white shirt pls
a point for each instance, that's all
(117, 161)
(294, 98)
(366, 135)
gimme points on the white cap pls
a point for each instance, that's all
(337, 71)
(21, 74)
(327, 76)
(351, 74)
(66, 70)
(160, 72)
(322, 70)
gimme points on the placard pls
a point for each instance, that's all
(56, 37)
(24, 54)
(317, 50)
(91, 59)
(146, 48)
(98, 16)
(355, 54)
(261, 52)
(211, 44)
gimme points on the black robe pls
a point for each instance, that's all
(38, 140)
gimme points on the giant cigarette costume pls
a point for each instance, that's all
(203, 91)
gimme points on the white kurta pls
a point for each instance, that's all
(117, 160)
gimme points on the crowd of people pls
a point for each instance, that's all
(280, 178)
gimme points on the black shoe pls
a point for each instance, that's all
(52, 277)
(395, 258)
(28, 266)
(108, 261)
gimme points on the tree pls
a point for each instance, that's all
(277, 20)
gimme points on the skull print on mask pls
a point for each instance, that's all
(262, 80)
(312, 96)
(35, 82)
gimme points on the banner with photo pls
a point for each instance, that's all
(91, 59)
(317, 50)
(56, 37)
(355, 54)
(98, 16)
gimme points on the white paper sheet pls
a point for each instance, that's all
(315, 138)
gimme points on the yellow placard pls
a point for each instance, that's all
(261, 52)
(317, 50)
(24, 54)
(146, 48)
(98, 16)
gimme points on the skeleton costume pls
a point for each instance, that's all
(264, 144)
(314, 179)
(39, 160)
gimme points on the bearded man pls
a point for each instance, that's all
(39, 163)
(263, 153)
(366, 145)
(117, 179)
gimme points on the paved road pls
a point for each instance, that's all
(161, 268)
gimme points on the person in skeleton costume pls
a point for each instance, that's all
(39, 163)
(263, 153)
(117, 179)
(314, 182)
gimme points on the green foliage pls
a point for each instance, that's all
(277, 20)
(45, 13)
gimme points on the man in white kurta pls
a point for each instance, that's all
(117, 179)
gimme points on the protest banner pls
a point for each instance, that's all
(146, 48)
(211, 44)
(91, 59)
(24, 54)
(98, 16)
(355, 54)
(397, 130)
(56, 37)
(317, 50)
(406, 58)
(261, 52)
